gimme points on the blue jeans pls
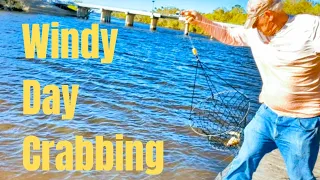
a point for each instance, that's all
(297, 139)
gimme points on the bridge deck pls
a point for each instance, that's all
(130, 11)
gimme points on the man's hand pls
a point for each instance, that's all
(192, 17)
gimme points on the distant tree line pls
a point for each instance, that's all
(235, 15)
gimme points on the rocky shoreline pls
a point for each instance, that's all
(34, 6)
(11, 5)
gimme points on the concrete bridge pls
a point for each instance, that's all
(84, 11)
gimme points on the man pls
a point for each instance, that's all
(286, 50)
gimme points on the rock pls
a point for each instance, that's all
(34, 6)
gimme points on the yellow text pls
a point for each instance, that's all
(50, 104)
(37, 41)
(107, 155)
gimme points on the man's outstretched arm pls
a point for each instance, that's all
(227, 35)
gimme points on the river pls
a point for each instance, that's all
(145, 94)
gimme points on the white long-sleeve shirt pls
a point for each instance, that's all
(289, 63)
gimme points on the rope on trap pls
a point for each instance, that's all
(222, 116)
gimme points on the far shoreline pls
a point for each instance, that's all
(40, 12)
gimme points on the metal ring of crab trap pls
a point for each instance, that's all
(227, 131)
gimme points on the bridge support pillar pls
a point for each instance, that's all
(186, 28)
(83, 12)
(153, 24)
(105, 16)
(129, 19)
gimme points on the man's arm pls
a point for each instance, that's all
(226, 35)
(234, 36)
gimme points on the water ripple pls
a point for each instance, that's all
(144, 94)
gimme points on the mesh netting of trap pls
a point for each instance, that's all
(218, 110)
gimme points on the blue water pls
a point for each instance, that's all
(144, 94)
